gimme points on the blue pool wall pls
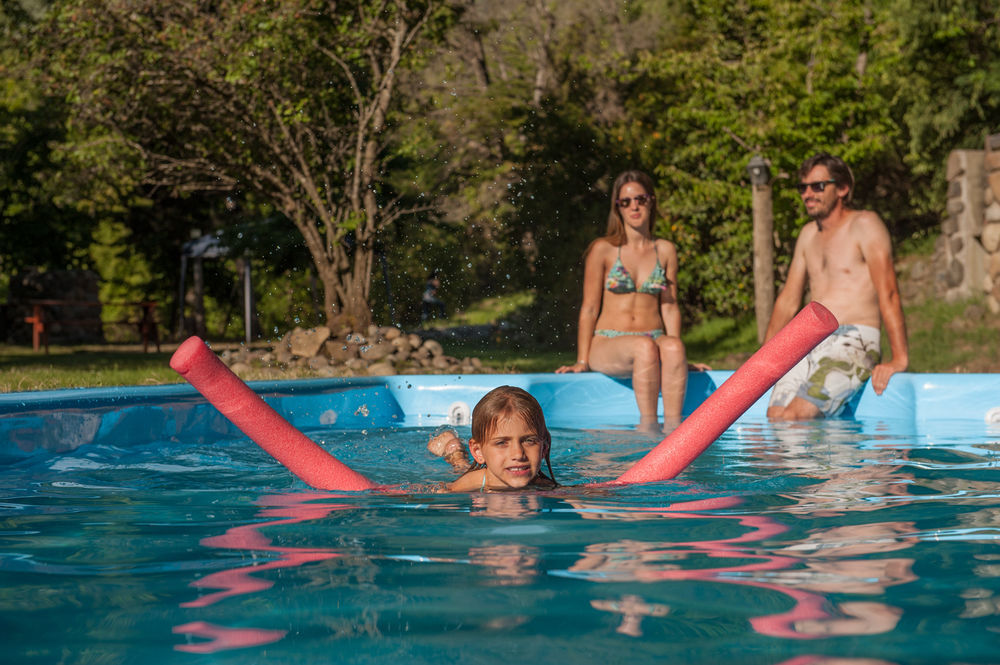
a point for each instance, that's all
(58, 421)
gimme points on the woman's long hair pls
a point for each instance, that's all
(616, 225)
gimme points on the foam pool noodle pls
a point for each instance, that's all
(737, 394)
(266, 427)
(306, 459)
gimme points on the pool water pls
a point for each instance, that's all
(860, 540)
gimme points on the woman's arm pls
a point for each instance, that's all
(590, 309)
(670, 310)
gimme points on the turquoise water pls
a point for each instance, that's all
(826, 542)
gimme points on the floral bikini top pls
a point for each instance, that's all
(620, 281)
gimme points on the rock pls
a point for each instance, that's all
(356, 364)
(991, 237)
(955, 274)
(390, 333)
(993, 179)
(949, 226)
(992, 213)
(318, 362)
(376, 352)
(402, 344)
(991, 160)
(381, 369)
(434, 347)
(283, 355)
(307, 343)
(339, 351)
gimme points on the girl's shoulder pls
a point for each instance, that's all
(470, 481)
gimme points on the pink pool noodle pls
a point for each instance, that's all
(737, 394)
(266, 427)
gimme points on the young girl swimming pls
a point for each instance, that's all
(509, 441)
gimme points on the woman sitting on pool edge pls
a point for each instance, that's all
(509, 441)
(631, 327)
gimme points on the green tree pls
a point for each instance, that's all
(290, 101)
(35, 230)
(772, 78)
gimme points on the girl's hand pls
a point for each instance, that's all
(698, 367)
(444, 443)
(578, 366)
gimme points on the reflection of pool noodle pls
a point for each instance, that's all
(195, 362)
(236, 401)
(737, 394)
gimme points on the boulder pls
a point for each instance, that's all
(307, 343)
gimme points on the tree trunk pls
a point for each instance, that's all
(763, 257)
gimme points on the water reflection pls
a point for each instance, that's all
(755, 553)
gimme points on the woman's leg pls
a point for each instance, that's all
(637, 356)
(673, 378)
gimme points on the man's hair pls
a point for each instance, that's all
(840, 172)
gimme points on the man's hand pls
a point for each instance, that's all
(882, 373)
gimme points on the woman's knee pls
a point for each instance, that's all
(646, 351)
(671, 349)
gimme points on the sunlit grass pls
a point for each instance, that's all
(22, 369)
(491, 310)
(944, 337)
(950, 337)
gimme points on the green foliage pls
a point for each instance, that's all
(126, 275)
(771, 78)
(124, 127)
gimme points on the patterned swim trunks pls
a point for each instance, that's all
(832, 372)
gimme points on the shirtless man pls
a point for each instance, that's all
(845, 255)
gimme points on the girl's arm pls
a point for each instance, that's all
(449, 446)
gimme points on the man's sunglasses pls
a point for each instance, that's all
(814, 186)
(642, 200)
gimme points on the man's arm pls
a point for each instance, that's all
(790, 297)
(876, 247)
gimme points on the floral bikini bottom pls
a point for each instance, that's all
(653, 334)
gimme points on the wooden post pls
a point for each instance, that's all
(763, 243)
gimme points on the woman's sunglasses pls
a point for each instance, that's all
(642, 200)
(814, 186)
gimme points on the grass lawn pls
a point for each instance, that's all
(944, 337)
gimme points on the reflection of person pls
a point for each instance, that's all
(430, 303)
(632, 608)
(509, 441)
(845, 255)
(630, 322)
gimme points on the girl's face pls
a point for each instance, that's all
(513, 453)
(634, 205)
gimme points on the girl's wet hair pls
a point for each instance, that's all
(507, 401)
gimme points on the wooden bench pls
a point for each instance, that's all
(40, 322)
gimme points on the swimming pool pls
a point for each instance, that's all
(138, 525)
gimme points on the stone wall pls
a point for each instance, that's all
(970, 232)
